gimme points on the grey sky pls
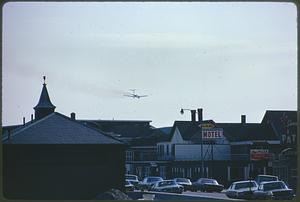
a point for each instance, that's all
(227, 58)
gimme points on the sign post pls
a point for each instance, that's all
(209, 133)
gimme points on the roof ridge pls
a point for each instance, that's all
(106, 120)
(281, 110)
(18, 130)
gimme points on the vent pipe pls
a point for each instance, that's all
(73, 116)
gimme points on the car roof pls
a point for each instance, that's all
(243, 181)
(269, 182)
(206, 179)
(266, 176)
(130, 175)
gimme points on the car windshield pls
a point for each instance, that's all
(182, 180)
(267, 178)
(130, 177)
(154, 179)
(243, 185)
(274, 185)
(166, 183)
(208, 181)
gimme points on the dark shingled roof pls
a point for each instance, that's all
(124, 128)
(187, 129)
(279, 119)
(58, 129)
(236, 132)
(44, 101)
(152, 139)
(133, 132)
(166, 130)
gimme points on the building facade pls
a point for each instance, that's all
(56, 157)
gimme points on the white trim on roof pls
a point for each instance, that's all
(113, 120)
(255, 141)
(143, 147)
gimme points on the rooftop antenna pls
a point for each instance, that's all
(44, 77)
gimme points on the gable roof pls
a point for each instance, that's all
(152, 139)
(279, 119)
(133, 132)
(58, 129)
(236, 132)
(233, 132)
(121, 128)
(187, 129)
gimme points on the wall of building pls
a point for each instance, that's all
(193, 152)
(62, 171)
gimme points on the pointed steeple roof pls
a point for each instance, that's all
(44, 101)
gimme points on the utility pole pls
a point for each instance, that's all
(212, 159)
(201, 145)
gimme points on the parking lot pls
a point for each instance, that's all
(136, 195)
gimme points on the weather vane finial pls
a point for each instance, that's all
(44, 77)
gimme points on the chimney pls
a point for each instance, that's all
(200, 115)
(193, 114)
(23, 120)
(243, 118)
(73, 116)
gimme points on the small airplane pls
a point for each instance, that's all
(134, 95)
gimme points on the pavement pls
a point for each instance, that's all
(138, 195)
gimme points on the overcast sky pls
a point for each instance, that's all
(227, 58)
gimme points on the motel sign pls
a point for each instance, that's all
(213, 133)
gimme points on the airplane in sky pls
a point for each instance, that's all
(134, 95)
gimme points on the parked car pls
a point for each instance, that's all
(128, 186)
(185, 182)
(167, 186)
(148, 182)
(207, 185)
(273, 190)
(265, 178)
(242, 189)
(133, 179)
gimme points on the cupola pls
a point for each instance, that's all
(44, 106)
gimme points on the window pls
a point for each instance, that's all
(167, 150)
(243, 185)
(147, 171)
(294, 172)
(162, 171)
(173, 150)
(129, 155)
